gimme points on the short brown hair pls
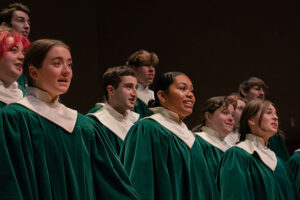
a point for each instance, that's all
(142, 58)
(112, 76)
(252, 81)
(7, 13)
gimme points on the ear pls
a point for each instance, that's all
(110, 90)
(251, 121)
(244, 93)
(3, 24)
(207, 116)
(161, 97)
(33, 72)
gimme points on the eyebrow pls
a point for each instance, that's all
(60, 58)
(184, 84)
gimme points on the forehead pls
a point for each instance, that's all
(128, 79)
(182, 79)
(20, 13)
(59, 52)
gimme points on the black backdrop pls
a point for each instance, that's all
(217, 43)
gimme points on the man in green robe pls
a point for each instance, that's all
(115, 116)
(143, 63)
(49, 151)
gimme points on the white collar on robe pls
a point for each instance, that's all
(297, 150)
(10, 93)
(144, 93)
(233, 138)
(254, 143)
(169, 120)
(115, 121)
(38, 101)
(212, 137)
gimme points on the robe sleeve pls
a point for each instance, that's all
(233, 178)
(144, 156)
(294, 166)
(110, 179)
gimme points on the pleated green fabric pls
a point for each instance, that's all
(277, 144)
(40, 160)
(243, 176)
(212, 154)
(294, 165)
(162, 167)
(116, 142)
(2, 105)
(142, 109)
(95, 109)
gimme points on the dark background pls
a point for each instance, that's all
(217, 43)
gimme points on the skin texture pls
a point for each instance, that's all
(238, 112)
(20, 22)
(180, 98)
(268, 126)
(55, 74)
(124, 97)
(221, 120)
(254, 92)
(145, 75)
(11, 64)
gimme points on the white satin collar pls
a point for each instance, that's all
(233, 138)
(10, 93)
(115, 121)
(144, 93)
(170, 120)
(212, 137)
(40, 102)
(254, 143)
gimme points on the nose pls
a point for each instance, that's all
(27, 25)
(21, 56)
(151, 68)
(66, 69)
(134, 92)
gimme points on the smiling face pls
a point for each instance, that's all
(221, 120)
(20, 22)
(145, 74)
(267, 126)
(124, 97)
(11, 64)
(55, 74)
(179, 98)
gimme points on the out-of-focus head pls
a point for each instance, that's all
(240, 105)
(144, 63)
(12, 47)
(48, 66)
(217, 114)
(174, 91)
(119, 87)
(253, 88)
(259, 118)
(16, 16)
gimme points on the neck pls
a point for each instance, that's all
(119, 109)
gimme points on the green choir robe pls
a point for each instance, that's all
(244, 176)
(114, 125)
(141, 108)
(212, 146)
(162, 166)
(41, 160)
(277, 144)
(96, 108)
(2, 105)
(294, 166)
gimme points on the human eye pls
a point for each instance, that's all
(14, 50)
(21, 19)
(70, 65)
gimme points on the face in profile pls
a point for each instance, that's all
(124, 97)
(145, 74)
(221, 120)
(268, 125)
(179, 98)
(11, 63)
(20, 22)
(238, 112)
(55, 74)
(255, 92)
